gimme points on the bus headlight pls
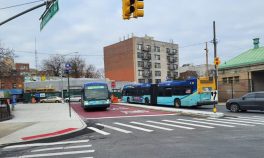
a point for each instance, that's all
(86, 103)
(108, 101)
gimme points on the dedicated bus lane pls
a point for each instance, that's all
(117, 111)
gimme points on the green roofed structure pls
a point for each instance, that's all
(242, 74)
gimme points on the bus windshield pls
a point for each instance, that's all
(96, 92)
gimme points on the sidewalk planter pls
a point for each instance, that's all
(5, 112)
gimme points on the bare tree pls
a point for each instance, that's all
(6, 61)
(54, 65)
(92, 72)
(78, 66)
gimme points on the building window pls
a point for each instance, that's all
(236, 79)
(225, 80)
(157, 57)
(141, 80)
(14, 85)
(157, 65)
(139, 54)
(148, 47)
(230, 79)
(140, 72)
(156, 49)
(174, 51)
(149, 80)
(158, 80)
(140, 63)
(157, 73)
(168, 50)
(139, 47)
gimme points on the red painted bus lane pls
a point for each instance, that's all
(117, 111)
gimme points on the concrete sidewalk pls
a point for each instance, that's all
(39, 121)
(180, 111)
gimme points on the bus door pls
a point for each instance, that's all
(153, 94)
(165, 96)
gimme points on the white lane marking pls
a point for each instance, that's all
(153, 126)
(114, 128)
(184, 123)
(85, 157)
(135, 127)
(57, 154)
(61, 148)
(46, 144)
(256, 123)
(172, 125)
(129, 116)
(219, 121)
(98, 131)
(208, 123)
(259, 117)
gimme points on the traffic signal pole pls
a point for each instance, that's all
(46, 3)
(216, 66)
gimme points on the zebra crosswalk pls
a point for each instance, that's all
(76, 148)
(168, 125)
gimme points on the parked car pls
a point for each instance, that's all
(52, 99)
(250, 101)
(74, 98)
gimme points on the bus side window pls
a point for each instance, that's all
(160, 91)
(168, 92)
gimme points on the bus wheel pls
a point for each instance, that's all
(177, 103)
(146, 101)
(128, 100)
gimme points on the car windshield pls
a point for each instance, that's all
(96, 92)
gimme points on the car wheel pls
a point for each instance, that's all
(147, 101)
(80, 100)
(128, 100)
(42, 102)
(177, 103)
(57, 101)
(234, 108)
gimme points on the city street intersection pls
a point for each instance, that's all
(149, 133)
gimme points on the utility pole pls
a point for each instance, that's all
(206, 52)
(36, 57)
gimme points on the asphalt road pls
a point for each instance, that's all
(155, 136)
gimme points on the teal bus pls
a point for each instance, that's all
(95, 95)
(186, 93)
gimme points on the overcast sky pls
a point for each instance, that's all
(87, 26)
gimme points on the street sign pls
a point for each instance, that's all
(49, 13)
(113, 84)
(214, 95)
(67, 68)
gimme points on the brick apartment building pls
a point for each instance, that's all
(141, 59)
(242, 74)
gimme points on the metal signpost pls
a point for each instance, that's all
(49, 13)
(67, 71)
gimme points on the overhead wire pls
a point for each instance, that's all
(19, 5)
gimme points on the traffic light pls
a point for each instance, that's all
(128, 8)
(217, 61)
(139, 6)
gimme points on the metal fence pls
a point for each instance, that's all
(5, 112)
(234, 89)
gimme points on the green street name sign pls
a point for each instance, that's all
(52, 10)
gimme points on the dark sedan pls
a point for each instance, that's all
(250, 101)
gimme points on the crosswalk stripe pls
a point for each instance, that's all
(148, 125)
(259, 117)
(232, 123)
(248, 119)
(57, 154)
(98, 131)
(208, 123)
(184, 123)
(46, 144)
(172, 125)
(61, 148)
(135, 127)
(256, 123)
(114, 128)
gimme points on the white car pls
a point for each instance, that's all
(74, 98)
(52, 99)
